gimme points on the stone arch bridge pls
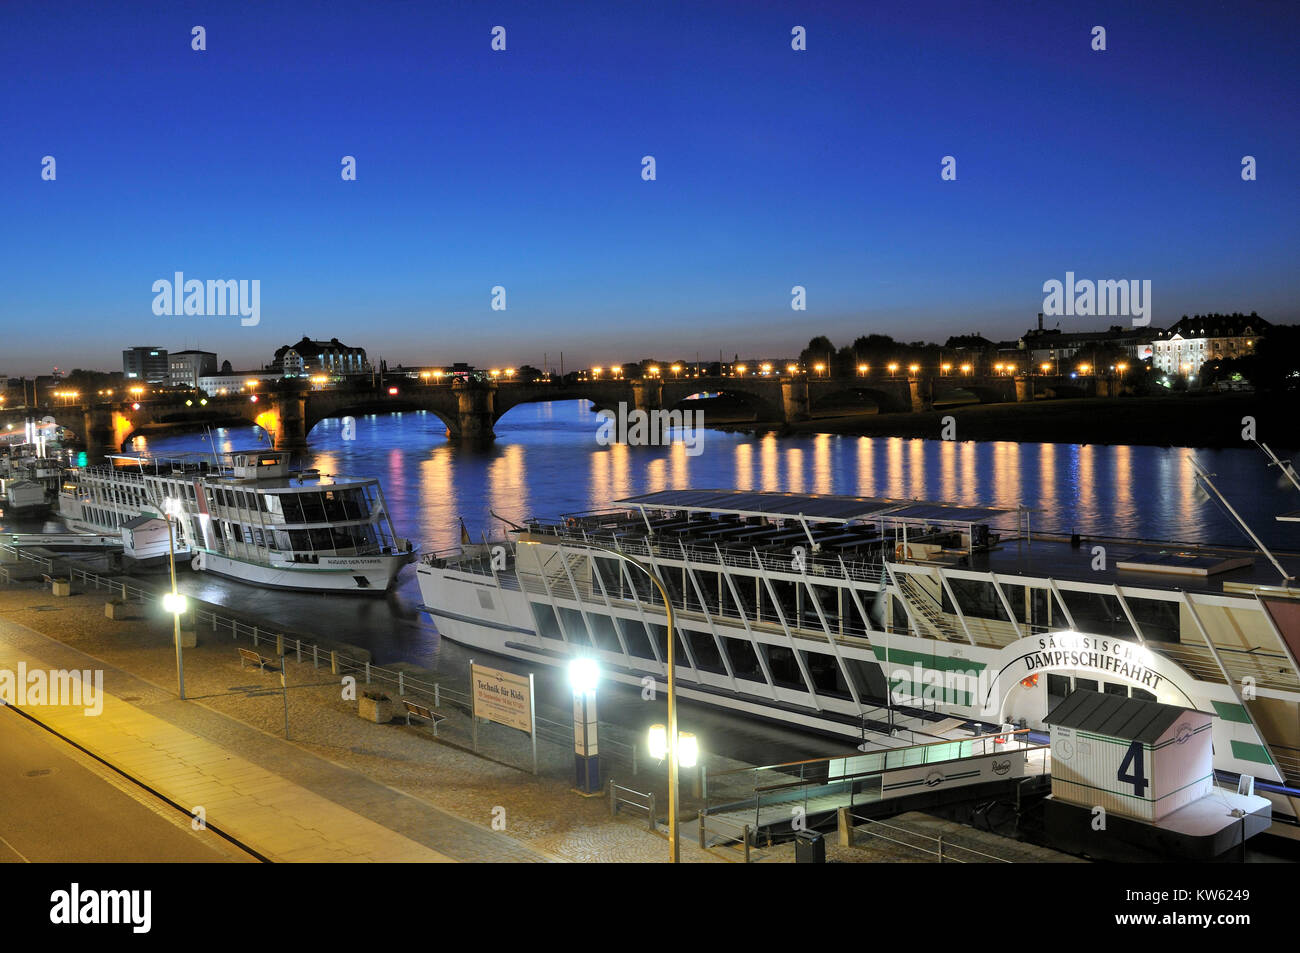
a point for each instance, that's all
(470, 409)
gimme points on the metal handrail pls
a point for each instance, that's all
(937, 840)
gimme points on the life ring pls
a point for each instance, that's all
(903, 551)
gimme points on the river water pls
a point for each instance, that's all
(546, 462)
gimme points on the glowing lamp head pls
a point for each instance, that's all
(688, 750)
(392, 392)
(174, 602)
(914, 367)
(584, 674)
(658, 742)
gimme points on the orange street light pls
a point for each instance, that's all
(893, 368)
(819, 368)
(792, 369)
(740, 370)
(652, 370)
(677, 370)
(946, 368)
(966, 368)
(913, 367)
(862, 369)
(766, 369)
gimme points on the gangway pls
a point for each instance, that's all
(774, 795)
(63, 540)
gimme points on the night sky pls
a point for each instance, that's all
(523, 169)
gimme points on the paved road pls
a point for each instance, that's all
(57, 804)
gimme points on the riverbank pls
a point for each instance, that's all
(1191, 420)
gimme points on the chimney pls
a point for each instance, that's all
(1040, 320)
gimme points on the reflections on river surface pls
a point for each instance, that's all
(546, 462)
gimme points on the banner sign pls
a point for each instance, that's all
(502, 697)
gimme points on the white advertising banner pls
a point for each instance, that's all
(502, 697)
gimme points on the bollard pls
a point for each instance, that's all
(941, 848)
(651, 810)
(437, 695)
(401, 684)
(232, 625)
(315, 656)
(334, 662)
(697, 783)
(845, 828)
(701, 830)
(367, 673)
(613, 799)
(279, 644)
(747, 839)
(634, 761)
(214, 615)
(299, 650)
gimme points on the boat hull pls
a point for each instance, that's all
(371, 575)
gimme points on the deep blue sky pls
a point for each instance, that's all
(522, 169)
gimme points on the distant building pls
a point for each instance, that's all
(309, 357)
(1193, 341)
(186, 367)
(145, 364)
(1055, 346)
(219, 385)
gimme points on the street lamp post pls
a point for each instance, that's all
(673, 839)
(174, 601)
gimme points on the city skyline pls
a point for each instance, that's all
(775, 168)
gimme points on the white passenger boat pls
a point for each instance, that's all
(894, 621)
(249, 518)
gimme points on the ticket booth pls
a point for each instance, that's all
(1135, 758)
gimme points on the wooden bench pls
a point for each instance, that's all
(421, 711)
(253, 658)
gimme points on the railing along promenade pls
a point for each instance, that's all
(317, 652)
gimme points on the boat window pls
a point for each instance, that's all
(547, 627)
(1097, 613)
(1087, 683)
(292, 506)
(826, 675)
(638, 642)
(707, 657)
(1158, 618)
(977, 598)
(785, 670)
(660, 634)
(574, 626)
(313, 507)
(602, 627)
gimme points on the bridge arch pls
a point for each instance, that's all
(895, 400)
(762, 406)
(968, 393)
(507, 399)
(368, 408)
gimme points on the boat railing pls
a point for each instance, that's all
(749, 558)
